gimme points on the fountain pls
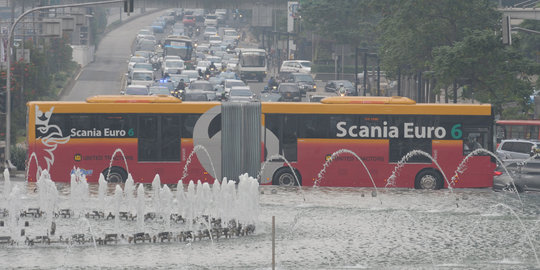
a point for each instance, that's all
(188, 161)
(337, 228)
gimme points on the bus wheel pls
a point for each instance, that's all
(429, 179)
(285, 177)
(116, 175)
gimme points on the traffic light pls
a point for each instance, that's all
(128, 6)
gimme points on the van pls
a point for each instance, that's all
(302, 66)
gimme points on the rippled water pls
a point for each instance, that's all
(343, 228)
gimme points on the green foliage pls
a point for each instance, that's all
(18, 157)
(495, 73)
(328, 19)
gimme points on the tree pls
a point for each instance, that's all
(496, 73)
(411, 29)
(350, 22)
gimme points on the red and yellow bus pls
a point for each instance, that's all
(518, 129)
(156, 134)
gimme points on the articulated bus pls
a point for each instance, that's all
(149, 135)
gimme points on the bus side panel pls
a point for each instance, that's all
(344, 170)
(478, 169)
(94, 158)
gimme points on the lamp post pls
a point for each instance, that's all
(356, 51)
(7, 153)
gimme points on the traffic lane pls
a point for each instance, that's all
(258, 87)
(104, 76)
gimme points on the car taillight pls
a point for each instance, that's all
(497, 173)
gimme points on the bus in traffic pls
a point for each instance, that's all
(178, 46)
(149, 135)
(252, 64)
(518, 129)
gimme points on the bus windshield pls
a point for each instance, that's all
(182, 48)
(253, 59)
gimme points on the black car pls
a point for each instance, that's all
(289, 92)
(304, 81)
(333, 86)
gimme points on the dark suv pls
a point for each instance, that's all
(304, 81)
(289, 92)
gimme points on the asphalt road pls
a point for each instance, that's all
(104, 76)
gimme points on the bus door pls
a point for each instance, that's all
(159, 138)
(280, 140)
(284, 128)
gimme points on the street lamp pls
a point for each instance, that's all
(7, 155)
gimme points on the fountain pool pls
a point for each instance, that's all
(333, 228)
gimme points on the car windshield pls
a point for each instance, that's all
(174, 64)
(195, 97)
(347, 84)
(142, 76)
(210, 29)
(201, 86)
(288, 88)
(235, 83)
(136, 91)
(241, 92)
(303, 78)
(137, 59)
(159, 90)
(191, 73)
(145, 66)
(306, 64)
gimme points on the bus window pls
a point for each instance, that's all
(400, 147)
(313, 126)
(474, 139)
(148, 138)
(285, 129)
(171, 136)
(289, 141)
(189, 125)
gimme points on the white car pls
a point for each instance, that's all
(135, 90)
(202, 65)
(214, 40)
(173, 66)
(141, 77)
(230, 83)
(136, 59)
(211, 20)
(301, 66)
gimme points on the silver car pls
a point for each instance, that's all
(524, 173)
(516, 149)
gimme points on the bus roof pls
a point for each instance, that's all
(330, 105)
(133, 99)
(179, 37)
(251, 50)
(367, 100)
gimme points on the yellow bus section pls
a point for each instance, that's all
(133, 99)
(374, 105)
(367, 100)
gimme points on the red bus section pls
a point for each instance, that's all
(518, 129)
(145, 136)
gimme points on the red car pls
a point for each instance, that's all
(189, 20)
